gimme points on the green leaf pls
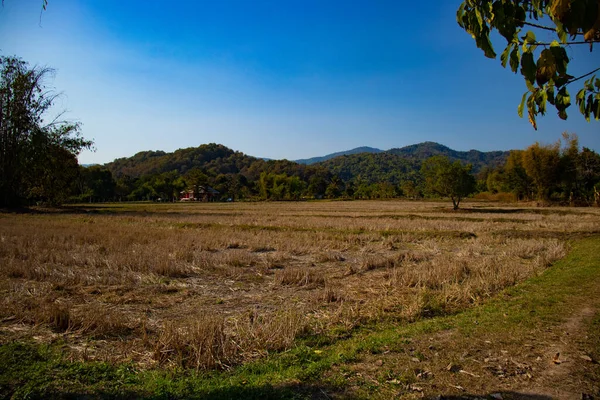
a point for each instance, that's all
(505, 55)
(528, 42)
(522, 105)
(460, 13)
(528, 67)
(550, 91)
(541, 100)
(566, 98)
(520, 14)
(562, 80)
(563, 99)
(546, 67)
(560, 31)
(561, 59)
(484, 43)
(562, 114)
(580, 100)
(529, 37)
(479, 18)
(589, 85)
(588, 108)
(515, 59)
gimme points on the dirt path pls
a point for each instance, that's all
(567, 354)
(502, 357)
(499, 364)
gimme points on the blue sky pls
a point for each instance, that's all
(279, 79)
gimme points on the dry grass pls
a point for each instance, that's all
(200, 343)
(210, 285)
(299, 276)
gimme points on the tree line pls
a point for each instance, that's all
(559, 172)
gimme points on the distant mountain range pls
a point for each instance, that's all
(422, 151)
(366, 162)
(358, 150)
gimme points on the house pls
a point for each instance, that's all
(199, 193)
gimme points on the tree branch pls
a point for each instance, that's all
(538, 26)
(582, 76)
(547, 28)
(562, 44)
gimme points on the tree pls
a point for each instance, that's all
(295, 187)
(573, 22)
(96, 183)
(516, 177)
(588, 173)
(33, 153)
(51, 178)
(542, 165)
(410, 190)
(334, 189)
(448, 179)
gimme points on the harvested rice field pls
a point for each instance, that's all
(213, 285)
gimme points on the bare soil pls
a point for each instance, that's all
(557, 362)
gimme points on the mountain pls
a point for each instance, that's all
(478, 159)
(415, 152)
(213, 158)
(395, 165)
(372, 168)
(357, 150)
(365, 163)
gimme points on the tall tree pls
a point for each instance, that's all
(448, 179)
(541, 162)
(30, 147)
(544, 64)
(516, 176)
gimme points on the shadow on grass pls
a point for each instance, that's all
(495, 395)
(142, 209)
(539, 211)
(295, 391)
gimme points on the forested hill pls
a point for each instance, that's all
(397, 165)
(478, 159)
(153, 175)
(371, 164)
(371, 168)
(213, 158)
(357, 150)
(415, 152)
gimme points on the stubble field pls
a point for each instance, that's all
(209, 286)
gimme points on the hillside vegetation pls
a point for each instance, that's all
(218, 159)
(478, 159)
(361, 173)
(357, 150)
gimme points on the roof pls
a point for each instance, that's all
(201, 190)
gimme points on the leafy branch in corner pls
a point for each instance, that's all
(544, 66)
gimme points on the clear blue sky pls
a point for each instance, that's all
(279, 79)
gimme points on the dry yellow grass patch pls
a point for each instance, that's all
(211, 285)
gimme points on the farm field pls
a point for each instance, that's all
(212, 286)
